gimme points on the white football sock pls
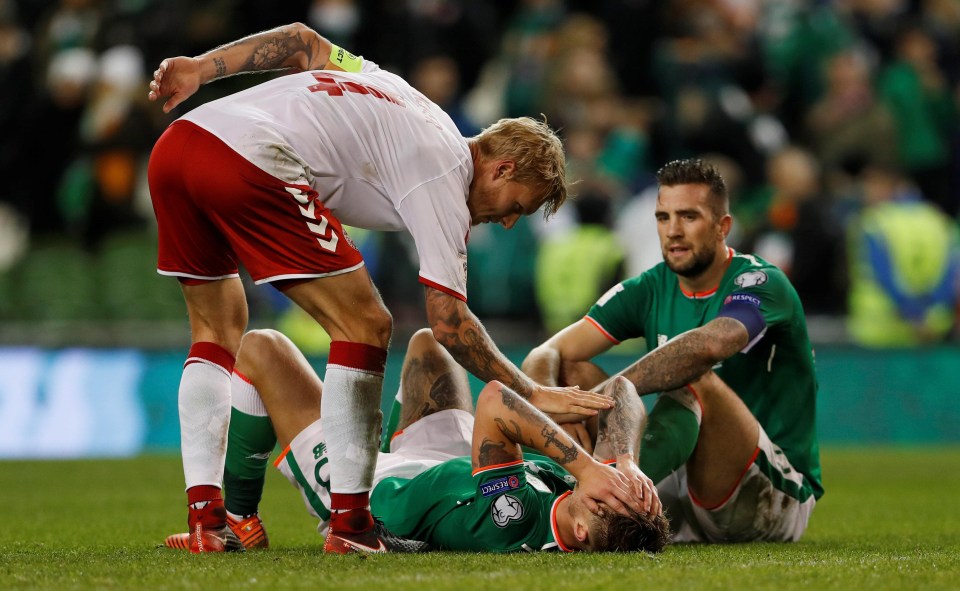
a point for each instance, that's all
(350, 414)
(204, 406)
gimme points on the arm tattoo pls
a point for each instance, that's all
(568, 453)
(492, 453)
(221, 67)
(515, 434)
(461, 333)
(686, 357)
(274, 51)
(619, 427)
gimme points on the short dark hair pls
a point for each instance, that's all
(614, 532)
(694, 171)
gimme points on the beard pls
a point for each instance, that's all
(693, 267)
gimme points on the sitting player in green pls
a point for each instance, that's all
(731, 441)
(492, 500)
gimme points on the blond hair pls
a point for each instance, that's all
(537, 154)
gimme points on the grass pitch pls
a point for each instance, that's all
(890, 520)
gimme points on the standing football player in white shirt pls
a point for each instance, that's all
(265, 177)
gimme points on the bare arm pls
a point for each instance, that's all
(618, 434)
(687, 356)
(618, 438)
(505, 421)
(581, 341)
(294, 46)
(460, 331)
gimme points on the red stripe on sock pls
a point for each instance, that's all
(358, 356)
(346, 501)
(203, 492)
(213, 353)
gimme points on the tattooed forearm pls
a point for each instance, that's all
(272, 53)
(457, 329)
(492, 453)
(620, 427)
(220, 66)
(514, 434)
(688, 356)
(568, 453)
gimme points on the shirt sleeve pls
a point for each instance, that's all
(618, 314)
(761, 301)
(436, 215)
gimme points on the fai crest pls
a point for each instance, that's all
(751, 279)
(505, 509)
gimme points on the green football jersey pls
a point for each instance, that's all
(774, 375)
(505, 508)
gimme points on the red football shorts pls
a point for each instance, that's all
(214, 208)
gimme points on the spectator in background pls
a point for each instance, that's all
(116, 133)
(799, 234)
(918, 95)
(438, 78)
(56, 114)
(576, 267)
(904, 265)
(848, 120)
(16, 89)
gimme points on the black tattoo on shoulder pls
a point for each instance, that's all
(492, 453)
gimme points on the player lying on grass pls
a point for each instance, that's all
(492, 500)
(425, 489)
(731, 441)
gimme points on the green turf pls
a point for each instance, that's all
(889, 521)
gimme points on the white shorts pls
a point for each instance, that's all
(755, 511)
(430, 441)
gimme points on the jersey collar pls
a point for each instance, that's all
(553, 522)
(699, 295)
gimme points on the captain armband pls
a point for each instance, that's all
(344, 59)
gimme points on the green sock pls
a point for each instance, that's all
(250, 442)
(393, 421)
(669, 439)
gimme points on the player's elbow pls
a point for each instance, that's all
(490, 398)
(621, 390)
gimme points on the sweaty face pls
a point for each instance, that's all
(494, 198)
(689, 233)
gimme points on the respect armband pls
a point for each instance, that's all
(344, 59)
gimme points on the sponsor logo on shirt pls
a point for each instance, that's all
(499, 485)
(463, 266)
(751, 279)
(505, 509)
(742, 297)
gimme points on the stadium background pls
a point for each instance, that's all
(835, 123)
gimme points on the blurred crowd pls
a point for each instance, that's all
(836, 125)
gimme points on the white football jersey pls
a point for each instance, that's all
(380, 154)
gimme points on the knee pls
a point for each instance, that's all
(257, 349)
(372, 325)
(706, 384)
(423, 342)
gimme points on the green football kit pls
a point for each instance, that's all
(773, 375)
(502, 508)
